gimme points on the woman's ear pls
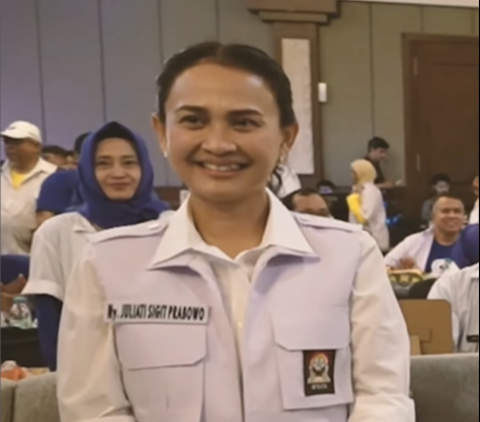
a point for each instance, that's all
(160, 131)
(289, 135)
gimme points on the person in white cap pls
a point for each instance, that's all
(22, 176)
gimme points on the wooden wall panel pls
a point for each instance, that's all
(71, 63)
(389, 22)
(183, 23)
(132, 60)
(346, 66)
(20, 85)
(237, 24)
(447, 21)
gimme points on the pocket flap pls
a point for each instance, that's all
(327, 330)
(161, 345)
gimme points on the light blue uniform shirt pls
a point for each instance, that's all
(150, 324)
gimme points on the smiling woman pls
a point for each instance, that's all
(115, 178)
(257, 277)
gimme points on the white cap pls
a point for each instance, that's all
(23, 130)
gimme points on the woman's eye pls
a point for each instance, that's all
(246, 124)
(191, 120)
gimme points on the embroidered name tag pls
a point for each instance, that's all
(319, 372)
(147, 313)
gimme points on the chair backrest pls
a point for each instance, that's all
(36, 400)
(7, 400)
(445, 388)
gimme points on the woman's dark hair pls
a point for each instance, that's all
(235, 56)
(441, 177)
(54, 150)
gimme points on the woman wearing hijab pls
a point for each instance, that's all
(366, 203)
(116, 182)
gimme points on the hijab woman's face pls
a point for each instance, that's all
(354, 177)
(222, 132)
(117, 169)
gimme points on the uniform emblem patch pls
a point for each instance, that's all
(319, 372)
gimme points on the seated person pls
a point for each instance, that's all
(466, 250)
(431, 251)
(72, 160)
(115, 176)
(441, 184)
(307, 201)
(461, 290)
(59, 192)
(55, 154)
(474, 216)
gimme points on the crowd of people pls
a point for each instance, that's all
(232, 304)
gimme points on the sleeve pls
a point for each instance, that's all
(399, 252)
(380, 343)
(355, 205)
(48, 311)
(443, 290)
(90, 387)
(370, 199)
(54, 195)
(46, 275)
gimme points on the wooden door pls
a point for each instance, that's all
(442, 107)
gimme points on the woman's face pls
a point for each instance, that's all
(222, 132)
(354, 177)
(117, 169)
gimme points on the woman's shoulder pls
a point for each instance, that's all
(142, 230)
(318, 222)
(62, 223)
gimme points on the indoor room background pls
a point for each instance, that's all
(69, 65)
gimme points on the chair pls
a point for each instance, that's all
(446, 387)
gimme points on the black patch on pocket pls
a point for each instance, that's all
(319, 372)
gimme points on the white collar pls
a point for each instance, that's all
(82, 225)
(42, 166)
(281, 231)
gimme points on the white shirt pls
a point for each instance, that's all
(418, 247)
(461, 290)
(18, 208)
(96, 387)
(290, 181)
(373, 209)
(474, 216)
(56, 246)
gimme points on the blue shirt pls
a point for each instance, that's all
(466, 251)
(59, 192)
(438, 253)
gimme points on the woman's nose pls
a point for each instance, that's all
(217, 142)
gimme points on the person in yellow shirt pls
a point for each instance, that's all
(21, 178)
(366, 203)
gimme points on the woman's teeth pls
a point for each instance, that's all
(214, 167)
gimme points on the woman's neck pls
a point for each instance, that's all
(233, 228)
(446, 238)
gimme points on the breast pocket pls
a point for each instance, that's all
(163, 369)
(314, 360)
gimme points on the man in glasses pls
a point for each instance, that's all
(21, 179)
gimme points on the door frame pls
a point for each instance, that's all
(413, 146)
